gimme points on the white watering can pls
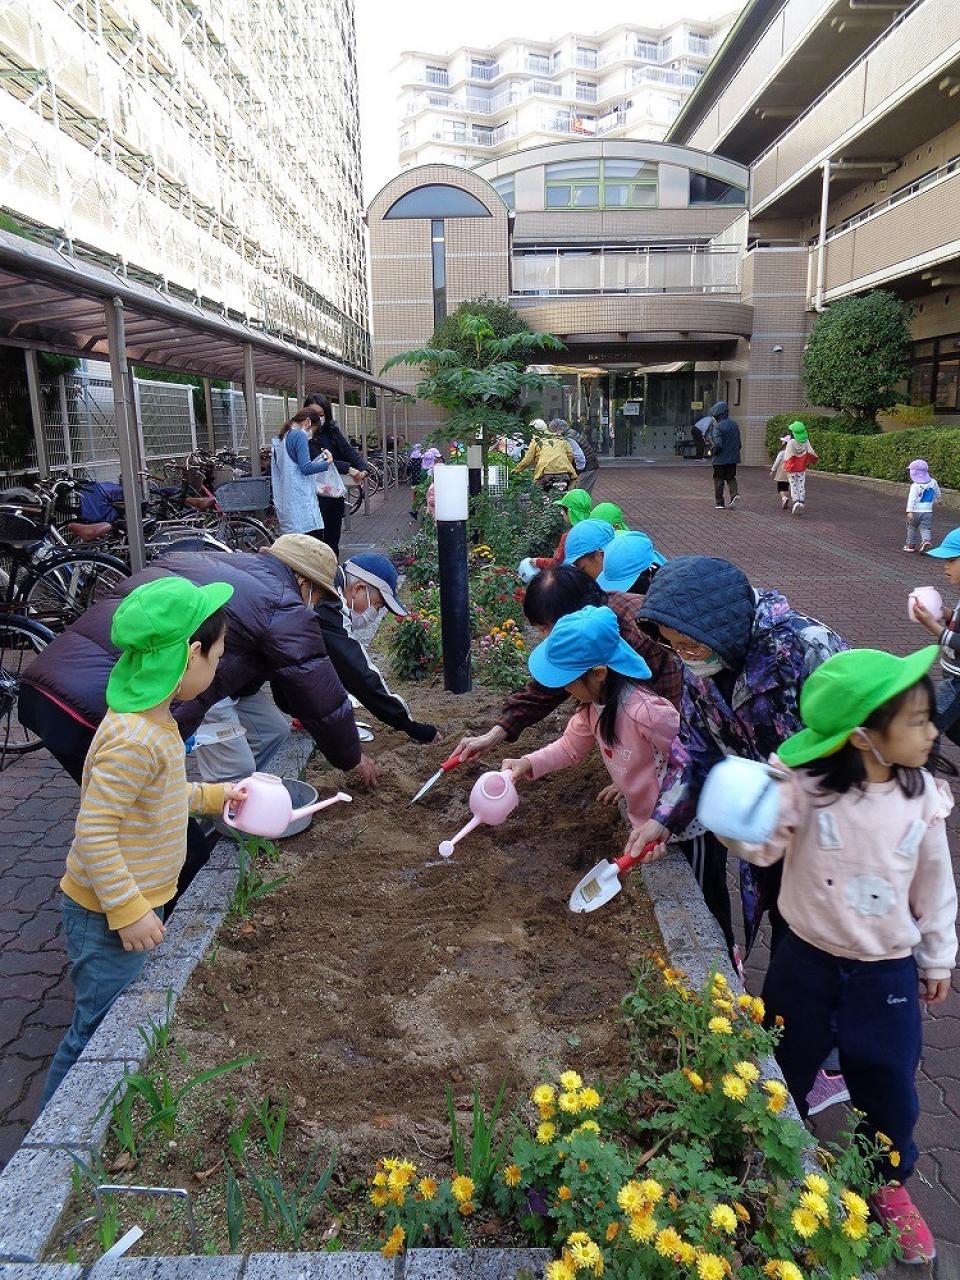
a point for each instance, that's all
(740, 800)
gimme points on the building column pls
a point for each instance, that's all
(128, 432)
(250, 401)
(822, 242)
(208, 410)
(36, 412)
(301, 383)
(363, 442)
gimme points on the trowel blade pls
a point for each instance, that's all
(596, 888)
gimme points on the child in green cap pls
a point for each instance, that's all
(575, 504)
(610, 512)
(797, 456)
(869, 897)
(131, 833)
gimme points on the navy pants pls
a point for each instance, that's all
(948, 707)
(869, 1010)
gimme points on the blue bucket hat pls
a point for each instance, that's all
(948, 549)
(587, 536)
(377, 571)
(627, 556)
(580, 641)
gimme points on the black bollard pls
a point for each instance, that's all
(451, 502)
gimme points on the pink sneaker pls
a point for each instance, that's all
(829, 1088)
(892, 1204)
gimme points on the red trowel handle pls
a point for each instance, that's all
(450, 764)
(627, 861)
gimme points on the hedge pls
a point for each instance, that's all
(818, 422)
(884, 456)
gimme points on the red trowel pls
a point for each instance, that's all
(603, 883)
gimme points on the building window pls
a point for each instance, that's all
(707, 190)
(538, 63)
(437, 200)
(739, 385)
(595, 184)
(586, 57)
(935, 376)
(437, 75)
(504, 188)
(439, 256)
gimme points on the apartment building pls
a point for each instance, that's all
(478, 104)
(166, 140)
(847, 113)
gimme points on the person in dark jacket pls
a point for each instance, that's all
(725, 437)
(348, 461)
(587, 477)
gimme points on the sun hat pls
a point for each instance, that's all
(309, 557)
(153, 626)
(578, 502)
(625, 559)
(539, 427)
(948, 549)
(610, 512)
(799, 432)
(919, 471)
(581, 641)
(588, 535)
(377, 571)
(844, 691)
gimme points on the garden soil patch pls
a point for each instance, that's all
(379, 973)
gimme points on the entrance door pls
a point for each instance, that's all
(669, 396)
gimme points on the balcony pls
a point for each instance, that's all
(559, 272)
(483, 71)
(664, 76)
(586, 93)
(433, 75)
(909, 234)
(890, 101)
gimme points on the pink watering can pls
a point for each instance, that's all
(493, 799)
(268, 810)
(929, 597)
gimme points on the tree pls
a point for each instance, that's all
(502, 318)
(858, 351)
(481, 381)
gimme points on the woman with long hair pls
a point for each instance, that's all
(328, 437)
(292, 474)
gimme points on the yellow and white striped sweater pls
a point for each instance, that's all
(131, 833)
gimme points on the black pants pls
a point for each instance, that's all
(68, 741)
(332, 510)
(725, 474)
(708, 862)
(871, 1011)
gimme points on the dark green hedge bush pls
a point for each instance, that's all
(886, 456)
(816, 423)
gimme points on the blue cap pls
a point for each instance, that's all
(949, 548)
(377, 571)
(627, 556)
(580, 641)
(588, 535)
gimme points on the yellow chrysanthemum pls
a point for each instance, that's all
(378, 1197)
(894, 1158)
(817, 1205)
(735, 1088)
(724, 1218)
(466, 1208)
(805, 1223)
(571, 1080)
(854, 1227)
(723, 1003)
(546, 1132)
(512, 1175)
(564, 1192)
(427, 1188)
(711, 1267)
(668, 1242)
(817, 1183)
(757, 1009)
(613, 1230)
(747, 1071)
(744, 1002)
(547, 1111)
(588, 1126)
(394, 1242)
(462, 1188)
(651, 1190)
(401, 1175)
(643, 1227)
(741, 1210)
(782, 1269)
(884, 1140)
(560, 1269)
(720, 981)
(380, 1178)
(695, 1079)
(569, 1101)
(778, 1095)
(585, 1255)
(686, 1253)
(589, 1099)
(719, 1025)
(854, 1204)
(543, 1095)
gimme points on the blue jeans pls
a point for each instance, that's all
(100, 970)
(948, 707)
(922, 521)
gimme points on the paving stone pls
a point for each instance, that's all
(475, 1264)
(318, 1266)
(188, 1268)
(41, 1271)
(34, 1187)
(76, 1116)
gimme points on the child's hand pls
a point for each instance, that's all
(234, 791)
(934, 990)
(521, 768)
(926, 619)
(144, 934)
(609, 795)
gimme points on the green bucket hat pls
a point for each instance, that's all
(844, 691)
(799, 432)
(578, 502)
(153, 626)
(610, 512)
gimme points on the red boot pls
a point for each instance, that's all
(892, 1204)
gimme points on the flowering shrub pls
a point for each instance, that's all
(413, 643)
(502, 657)
(689, 1168)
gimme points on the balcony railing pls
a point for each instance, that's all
(932, 179)
(479, 72)
(586, 93)
(475, 137)
(663, 75)
(587, 58)
(700, 46)
(433, 76)
(608, 269)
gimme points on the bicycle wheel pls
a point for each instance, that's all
(20, 642)
(67, 585)
(354, 497)
(243, 533)
(374, 478)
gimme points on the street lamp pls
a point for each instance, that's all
(475, 467)
(451, 505)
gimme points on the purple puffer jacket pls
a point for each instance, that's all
(271, 637)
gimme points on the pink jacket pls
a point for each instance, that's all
(646, 727)
(867, 875)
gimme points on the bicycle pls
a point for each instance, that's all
(21, 639)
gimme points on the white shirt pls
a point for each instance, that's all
(931, 489)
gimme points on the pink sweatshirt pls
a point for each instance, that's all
(646, 727)
(866, 876)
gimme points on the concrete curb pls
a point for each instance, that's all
(950, 498)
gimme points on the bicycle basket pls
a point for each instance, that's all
(252, 494)
(17, 529)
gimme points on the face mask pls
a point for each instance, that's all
(364, 617)
(704, 667)
(865, 735)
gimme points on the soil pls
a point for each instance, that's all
(379, 972)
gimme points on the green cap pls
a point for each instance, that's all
(153, 626)
(578, 502)
(610, 512)
(844, 691)
(799, 432)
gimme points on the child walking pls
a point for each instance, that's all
(633, 727)
(798, 455)
(780, 475)
(924, 492)
(869, 897)
(131, 832)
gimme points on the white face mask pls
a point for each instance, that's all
(704, 667)
(865, 735)
(362, 618)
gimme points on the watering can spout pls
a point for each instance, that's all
(308, 809)
(446, 846)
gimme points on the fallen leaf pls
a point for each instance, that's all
(384, 1121)
(332, 1231)
(202, 1175)
(491, 1228)
(248, 927)
(123, 1161)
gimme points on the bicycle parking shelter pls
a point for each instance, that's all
(56, 303)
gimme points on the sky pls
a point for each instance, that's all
(385, 28)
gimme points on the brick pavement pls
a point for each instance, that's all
(842, 562)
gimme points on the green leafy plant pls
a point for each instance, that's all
(273, 1117)
(858, 350)
(106, 1209)
(413, 644)
(233, 1204)
(156, 1035)
(159, 1099)
(478, 1161)
(288, 1204)
(251, 886)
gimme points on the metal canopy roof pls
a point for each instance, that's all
(51, 302)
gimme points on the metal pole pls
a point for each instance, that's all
(193, 420)
(822, 244)
(36, 411)
(396, 440)
(454, 604)
(382, 415)
(127, 437)
(65, 422)
(208, 409)
(250, 400)
(301, 382)
(342, 420)
(363, 443)
(406, 423)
